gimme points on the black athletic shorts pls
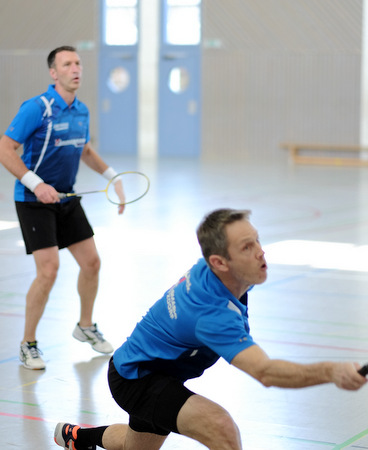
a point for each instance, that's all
(50, 225)
(152, 402)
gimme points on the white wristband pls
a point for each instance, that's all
(109, 174)
(31, 180)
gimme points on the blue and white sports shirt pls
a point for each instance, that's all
(53, 135)
(195, 323)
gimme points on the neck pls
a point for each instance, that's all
(67, 96)
(236, 288)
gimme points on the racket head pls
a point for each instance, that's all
(135, 185)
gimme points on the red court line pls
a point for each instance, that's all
(302, 344)
(11, 314)
(39, 419)
(21, 416)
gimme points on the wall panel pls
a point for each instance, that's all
(276, 70)
(29, 30)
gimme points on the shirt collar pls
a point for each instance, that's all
(59, 99)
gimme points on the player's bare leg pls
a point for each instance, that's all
(209, 423)
(85, 253)
(122, 437)
(47, 265)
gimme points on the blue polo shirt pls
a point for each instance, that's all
(195, 323)
(53, 135)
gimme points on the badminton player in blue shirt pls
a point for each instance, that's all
(54, 130)
(200, 319)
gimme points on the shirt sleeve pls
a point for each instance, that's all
(24, 124)
(225, 333)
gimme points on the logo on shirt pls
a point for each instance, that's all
(171, 304)
(61, 126)
(170, 297)
(75, 142)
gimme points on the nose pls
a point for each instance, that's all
(260, 251)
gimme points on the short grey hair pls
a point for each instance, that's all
(211, 233)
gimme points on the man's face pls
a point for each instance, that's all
(67, 71)
(246, 263)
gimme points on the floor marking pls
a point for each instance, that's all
(39, 419)
(89, 412)
(19, 403)
(9, 359)
(3, 314)
(302, 344)
(351, 440)
(311, 334)
(36, 381)
(308, 441)
(313, 321)
(22, 416)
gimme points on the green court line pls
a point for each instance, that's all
(89, 412)
(333, 446)
(19, 403)
(351, 440)
(306, 441)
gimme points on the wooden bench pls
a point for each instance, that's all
(324, 154)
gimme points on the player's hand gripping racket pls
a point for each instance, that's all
(363, 370)
(133, 186)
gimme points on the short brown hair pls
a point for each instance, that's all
(211, 231)
(52, 55)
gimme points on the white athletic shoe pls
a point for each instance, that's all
(93, 337)
(30, 356)
(65, 435)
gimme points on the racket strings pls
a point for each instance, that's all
(127, 187)
(124, 188)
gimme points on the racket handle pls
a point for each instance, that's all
(62, 195)
(363, 370)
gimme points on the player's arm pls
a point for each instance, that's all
(91, 158)
(280, 373)
(9, 157)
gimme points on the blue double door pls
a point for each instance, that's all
(178, 100)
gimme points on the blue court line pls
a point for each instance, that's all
(16, 358)
(3, 361)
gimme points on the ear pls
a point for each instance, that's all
(218, 263)
(52, 73)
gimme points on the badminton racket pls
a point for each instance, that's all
(363, 370)
(135, 185)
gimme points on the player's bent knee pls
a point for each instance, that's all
(208, 423)
(226, 430)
